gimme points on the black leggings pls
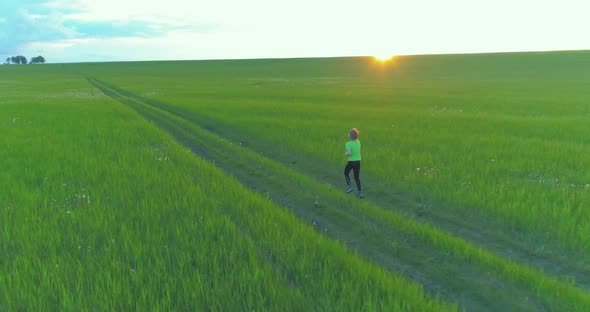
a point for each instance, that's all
(355, 166)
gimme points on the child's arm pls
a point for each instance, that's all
(348, 152)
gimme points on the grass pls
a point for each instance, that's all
(100, 210)
(502, 136)
(473, 168)
(396, 239)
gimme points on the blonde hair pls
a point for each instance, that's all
(353, 134)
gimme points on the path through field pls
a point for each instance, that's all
(388, 227)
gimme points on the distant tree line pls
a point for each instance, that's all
(23, 60)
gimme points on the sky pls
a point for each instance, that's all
(134, 30)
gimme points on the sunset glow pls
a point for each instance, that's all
(384, 58)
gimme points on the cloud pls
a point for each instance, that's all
(27, 20)
(109, 29)
(87, 30)
(41, 21)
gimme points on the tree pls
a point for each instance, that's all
(18, 60)
(37, 60)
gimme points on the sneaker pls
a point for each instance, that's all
(349, 189)
(360, 195)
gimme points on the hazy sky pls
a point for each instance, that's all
(115, 30)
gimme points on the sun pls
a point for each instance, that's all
(384, 57)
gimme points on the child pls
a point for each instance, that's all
(353, 153)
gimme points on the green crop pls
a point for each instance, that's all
(473, 167)
(100, 210)
(500, 136)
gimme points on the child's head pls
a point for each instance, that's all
(353, 134)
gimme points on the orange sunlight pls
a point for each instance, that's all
(384, 58)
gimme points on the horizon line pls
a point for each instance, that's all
(309, 57)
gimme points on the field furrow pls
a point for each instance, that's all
(483, 231)
(101, 210)
(443, 263)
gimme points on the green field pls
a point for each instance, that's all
(217, 185)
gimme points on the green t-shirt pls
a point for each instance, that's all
(355, 150)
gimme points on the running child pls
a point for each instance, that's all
(353, 154)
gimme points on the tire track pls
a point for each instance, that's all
(478, 229)
(473, 285)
